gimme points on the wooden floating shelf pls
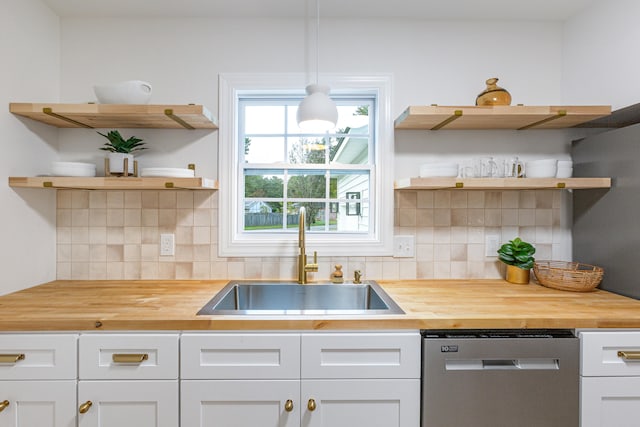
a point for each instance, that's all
(517, 117)
(502, 183)
(97, 116)
(113, 183)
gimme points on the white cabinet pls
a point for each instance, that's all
(128, 403)
(240, 403)
(38, 380)
(128, 380)
(310, 380)
(610, 378)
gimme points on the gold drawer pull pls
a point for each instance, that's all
(629, 355)
(3, 405)
(85, 407)
(11, 358)
(311, 405)
(130, 357)
(288, 405)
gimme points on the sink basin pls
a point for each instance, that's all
(289, 298)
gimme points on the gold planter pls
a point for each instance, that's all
(517, 275)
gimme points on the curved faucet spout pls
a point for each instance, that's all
(303, 266)
(302, 214)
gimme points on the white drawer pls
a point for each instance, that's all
(128, 356)
(38, 356)
(240, 356)
(603, 353)
(361, 355)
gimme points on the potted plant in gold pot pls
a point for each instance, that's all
(518, 255)
(120, 149)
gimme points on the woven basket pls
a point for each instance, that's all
(568, 276)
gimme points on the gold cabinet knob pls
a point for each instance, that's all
(85, 407)
(288, 405)
(3, 405)
(311, 405)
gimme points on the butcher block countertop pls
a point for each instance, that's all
(428, 304)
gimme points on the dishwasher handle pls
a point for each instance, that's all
(501, 364)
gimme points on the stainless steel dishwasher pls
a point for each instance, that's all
(500, 378)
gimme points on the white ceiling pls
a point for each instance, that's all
(419, 9)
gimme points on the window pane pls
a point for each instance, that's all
(351, 148)
(307, 150)
(264, 150)
(263, 183)
(349, 185)
(264, 119)
(353, 217)
(260, 215)
(306, 184)
(353, 116)
(315, 217)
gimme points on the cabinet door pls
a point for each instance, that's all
(348, 403)
(361, 355)
(38, 403)
(240, 403)
(128, 403)
(610, 401)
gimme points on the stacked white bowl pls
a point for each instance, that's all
(565, 169)
(545, 168)
(438, 169)
(73, 169)
(127, 92)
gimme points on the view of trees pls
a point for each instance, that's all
(307, 185)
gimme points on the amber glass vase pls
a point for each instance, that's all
(493, 94)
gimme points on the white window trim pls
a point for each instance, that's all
(233, 244)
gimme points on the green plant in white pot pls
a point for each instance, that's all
(518, 255)
(119, 149)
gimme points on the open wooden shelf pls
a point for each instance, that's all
(501, 183)
(117, 115)
(113, 183)
(517, 117)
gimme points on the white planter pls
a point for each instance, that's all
(116, 162)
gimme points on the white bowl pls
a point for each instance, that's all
(168, 172)
(564, 172)
(565, 164)
(428, 170)
(542, 162)
(545, 168)
(127, 92)
(73, 169)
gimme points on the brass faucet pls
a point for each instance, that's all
(303, 266)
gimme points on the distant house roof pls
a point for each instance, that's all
(257, 207)
(353, 149)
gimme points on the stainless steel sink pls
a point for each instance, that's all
(289, 298)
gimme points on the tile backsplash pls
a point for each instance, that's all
(116, 235)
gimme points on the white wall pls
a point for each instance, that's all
(30, 52)
(601, 63)
(432, 62)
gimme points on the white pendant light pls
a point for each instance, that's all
(317, 112)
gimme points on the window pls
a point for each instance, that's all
(269, 168)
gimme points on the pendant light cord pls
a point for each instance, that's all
(317, 41)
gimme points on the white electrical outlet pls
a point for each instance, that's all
(491, 245)
(404, 247)
(167, 245)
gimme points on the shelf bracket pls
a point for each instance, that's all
(169, 113)
(456, 115)
(49, 112)
(560, 113)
